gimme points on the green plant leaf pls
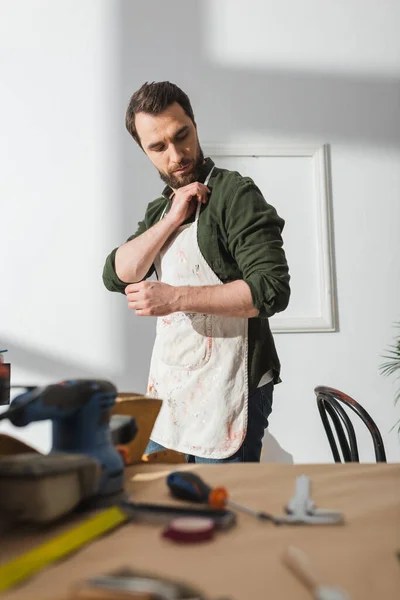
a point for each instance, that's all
(395, 425)
(392, 366)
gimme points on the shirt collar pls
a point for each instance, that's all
(204, 171)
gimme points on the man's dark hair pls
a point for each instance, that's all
(153, 98)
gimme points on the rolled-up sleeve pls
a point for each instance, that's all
(110, 278)
(254, 234)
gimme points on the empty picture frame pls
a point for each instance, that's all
(296, 181)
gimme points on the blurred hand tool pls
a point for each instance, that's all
(301, 509)
(189, 486)
(299, 563)
(138, 585)
(80, 412)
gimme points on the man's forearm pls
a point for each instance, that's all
(134, 258)
(228, 300)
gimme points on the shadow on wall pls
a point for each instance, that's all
(46, 363)
(172, 39)
(272, 452)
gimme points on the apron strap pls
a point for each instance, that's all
(199, 203)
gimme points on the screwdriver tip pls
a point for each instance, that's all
(267, 517)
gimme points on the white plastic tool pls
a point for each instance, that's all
(301, 509)
(299, 563)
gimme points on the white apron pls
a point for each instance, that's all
(199, 362)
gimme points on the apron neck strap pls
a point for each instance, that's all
(207, 179)
(199, 203)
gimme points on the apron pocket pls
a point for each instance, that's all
(184, 340)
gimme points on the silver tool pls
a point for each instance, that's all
(299, 563)
(137, 585)
(152, 586)
(301, 509)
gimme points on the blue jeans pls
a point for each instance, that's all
(259, 409)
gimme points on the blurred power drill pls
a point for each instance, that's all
(80, 411)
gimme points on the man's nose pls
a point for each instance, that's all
(176, 155)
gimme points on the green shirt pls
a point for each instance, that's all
(239, 236)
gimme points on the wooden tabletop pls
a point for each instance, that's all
(245, 563)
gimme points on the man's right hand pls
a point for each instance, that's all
(134, 258)
(185, 201)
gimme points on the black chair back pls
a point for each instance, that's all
(328, 402)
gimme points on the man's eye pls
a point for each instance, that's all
(159, 149)
(182, 136)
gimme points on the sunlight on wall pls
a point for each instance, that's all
(347, 37)
(60, 178)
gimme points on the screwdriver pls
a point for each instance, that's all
(188, 486)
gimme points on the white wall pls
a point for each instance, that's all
(59, 186)
(73, 184)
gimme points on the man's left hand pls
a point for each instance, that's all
(152, 298)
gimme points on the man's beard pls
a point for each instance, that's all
(176, 182)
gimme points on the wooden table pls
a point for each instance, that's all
(245, 562)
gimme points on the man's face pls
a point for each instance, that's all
(170, 141)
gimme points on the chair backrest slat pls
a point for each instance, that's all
(329, 433)
(328, 400)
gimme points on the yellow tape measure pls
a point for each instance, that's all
(29, 563)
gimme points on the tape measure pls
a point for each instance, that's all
(29, 563)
